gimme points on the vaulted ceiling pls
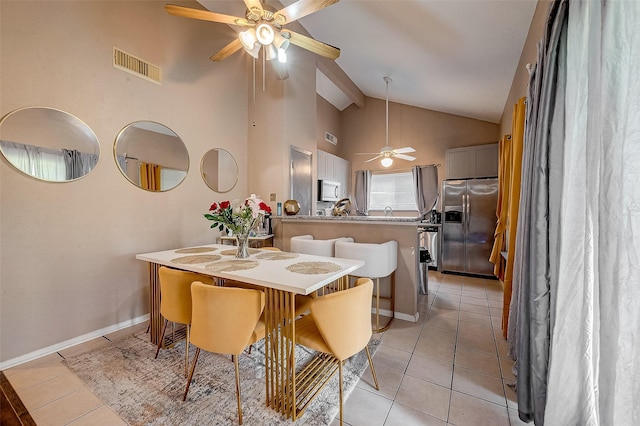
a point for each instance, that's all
(453, 56)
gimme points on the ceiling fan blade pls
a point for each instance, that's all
(404, 157)
(404, 150)
(227, 51)
(366, 153)
(374, 158)
(302, 8)
(205, 15)
(313, 45)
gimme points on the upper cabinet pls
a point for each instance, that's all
(472, 161)
(334, 168)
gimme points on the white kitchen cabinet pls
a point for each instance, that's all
(472, 161)
(334, 168)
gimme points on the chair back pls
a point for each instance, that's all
(380, 260)
(224, 318)
(307, 245)
(175, 291)
(344, 318)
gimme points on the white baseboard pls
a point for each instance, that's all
(71, 342)
(399, 315)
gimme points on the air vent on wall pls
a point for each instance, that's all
(136, 66)
(330, 138)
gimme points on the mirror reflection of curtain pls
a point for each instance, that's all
(78, 164)
(425, 180)
(150, 176)
(122, 163)
(43, 163)
(576, 329)
(362, 190)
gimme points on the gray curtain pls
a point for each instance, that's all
(575, 322)
(425, 180)
(362, 190)
(530, 310)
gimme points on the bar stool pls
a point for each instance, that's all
(380, 260)
(306, 244)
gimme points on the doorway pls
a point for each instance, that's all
(301, 186)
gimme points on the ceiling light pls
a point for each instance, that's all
(265, 34)
(270, 52)
(282, 56)
(248, 38)
(280, 42)
(386, 162)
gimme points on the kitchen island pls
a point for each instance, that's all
(367, 229)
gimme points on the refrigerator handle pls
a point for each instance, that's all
(466, 213)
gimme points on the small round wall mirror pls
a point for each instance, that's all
(48, 144)
(151, 156)
(219, 170)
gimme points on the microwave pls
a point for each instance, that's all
(328, 190)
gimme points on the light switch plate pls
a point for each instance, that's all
(273, 197)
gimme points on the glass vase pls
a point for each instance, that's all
(242, 241)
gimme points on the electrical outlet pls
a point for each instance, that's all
(273, 197)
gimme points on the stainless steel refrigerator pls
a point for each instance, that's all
(468, 224)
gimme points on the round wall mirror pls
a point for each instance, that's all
(48, 144)
(151, 156)
(219, 170)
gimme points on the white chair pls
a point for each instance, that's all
(308, 245)
(380, 260)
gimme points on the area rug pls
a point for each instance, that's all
(148, 391)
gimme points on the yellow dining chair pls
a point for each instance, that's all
(225, 320)
(175, 302)
(340, 325)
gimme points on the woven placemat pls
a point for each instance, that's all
(282, 255)
(195, 250)
(196, 258)
(232, 265)
(314, 268)
(233, 252)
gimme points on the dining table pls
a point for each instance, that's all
(282, 276)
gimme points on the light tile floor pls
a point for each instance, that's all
(449, 368)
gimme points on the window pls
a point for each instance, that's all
(395, 190)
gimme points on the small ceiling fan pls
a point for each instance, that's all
(387, 153)
(264, 29)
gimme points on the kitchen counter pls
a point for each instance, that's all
(410, 220)
(367, 229)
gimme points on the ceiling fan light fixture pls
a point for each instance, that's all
(270, 52)
(282, 56)
(280, 42)
(265, 34)
(248, 39)
(386, 162)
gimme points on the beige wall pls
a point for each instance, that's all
(67, 251)
(431, 133)
(328, 120)
(529, 56)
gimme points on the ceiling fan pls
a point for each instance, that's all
(387, 153)
(264, 29)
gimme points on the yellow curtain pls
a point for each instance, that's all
(517, 143)
(150, 176)
(504, 174)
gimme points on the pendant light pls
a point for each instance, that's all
(387, 161)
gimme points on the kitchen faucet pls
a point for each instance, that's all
(388, 211)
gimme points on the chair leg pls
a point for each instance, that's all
(341, 390)
(235, 361)
(373, 370)
(161, 337)
(195, 361)
(186, 354)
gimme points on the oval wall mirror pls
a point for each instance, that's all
(219, 170)
(151, 156)
(48, 144)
